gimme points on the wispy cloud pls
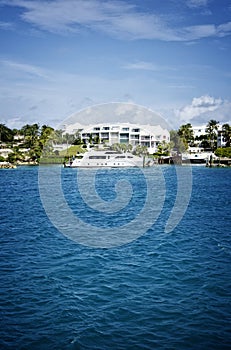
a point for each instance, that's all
(196, 3)
(141, 66)
(31, 70)
(115, 18)
(224, 29)
(181, 86)
(147, 66)
(198, 32)
(6, 25)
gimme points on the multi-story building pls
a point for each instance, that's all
(110, 133)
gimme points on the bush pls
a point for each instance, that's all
(223, 152)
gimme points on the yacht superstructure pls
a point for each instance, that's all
(104, 158)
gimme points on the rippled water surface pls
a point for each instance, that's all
(161, 291)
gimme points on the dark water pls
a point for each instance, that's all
(161, 291)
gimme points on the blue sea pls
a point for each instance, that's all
(159, 290)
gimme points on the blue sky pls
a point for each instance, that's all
(60, 56)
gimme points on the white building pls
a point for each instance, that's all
(201, 130)
(126, 133)
(221, 142)
(4, 152)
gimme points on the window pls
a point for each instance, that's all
(124, 136)
(145, 137)
(97, 157)
(135, 137)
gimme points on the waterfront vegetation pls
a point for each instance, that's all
(223, 152)
(34, 144)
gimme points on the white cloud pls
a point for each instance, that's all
(224, 29)
(199, 31)
(196, 3)
(24, 68)
(198, 106)
(141, 65)
(6, 25)
(115, 18)
(204, 108)
(148, 66)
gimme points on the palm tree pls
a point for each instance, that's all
(46, 139)
(123, 147)
(57, 137)
(46, 135)
(78, 140)
(186, 134)
(115, 147)
(31, 134)
(226, 132)
(211, 130)
(129, 147)
(68, 138)
(141, 150)
(164, 148)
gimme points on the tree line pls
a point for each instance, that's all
(31, 137)
(184, 137)
(40, 140)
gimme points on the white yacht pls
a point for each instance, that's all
(198, 158)
(104, 158)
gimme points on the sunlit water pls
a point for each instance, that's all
(161, 291)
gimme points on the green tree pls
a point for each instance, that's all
(211, 131)
(57, 137)
(96, 139)
(6, 134)
(223, 152)
(176, 142)
(16, 155)
(45, 140)
(31, 134)
(122, 147)
(140, 150)
(46, 133)
(129, 147)
(115, 147)
(35, 152)
(78, 140)
(68, 138)
(226, 132)
(164, 148)
(186, 134)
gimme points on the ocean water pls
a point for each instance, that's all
(159, 291)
